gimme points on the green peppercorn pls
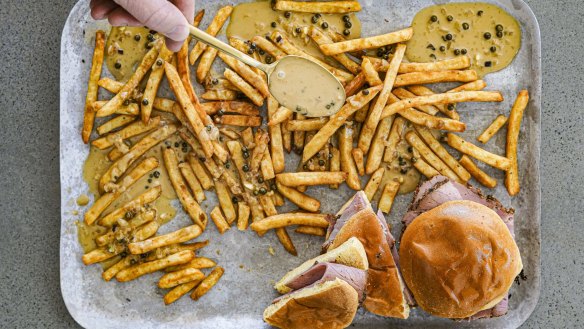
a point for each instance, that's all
(120, 51)
(129, 215)
(260, 180)
(385, 56)
(261, 52)
(137, 37)
(499, 34)
(149, 180)
(273, 186)
(245, 168)
(480, 13)
(404, 171)
(449, 18)
(159, 62)
(314, 19)
(457, 52)
(448, 37)
(209, 127)
(126, 102)
(346, 18)
(145, 101)
(263, 191)
(118, 65)
(450, 107)
(324, 25)
(366, 92)
(157, 174)
(499, 28)
(442, 48)
(227, 165)
(434, 18)
(305, 167)
(488, 64)
(150, 37)
(269, 59)
(274, 24)
(465, 26)
(410, 149)
(464, 51)
(287, 14)
(348, 25)
(298, 30)
(493, 49)
(346, 32)
(245, 154)
(321, 162)
(250, 51)
(487, 35)
(255, 192)
(234, 199)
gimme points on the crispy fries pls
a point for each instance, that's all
(243, 212)
(388, 195)
(174, 279)
(310, 230)
(442, 153)
(373, 183)
(415, 141)
(337, 120)
(181, 235)
(239, 120)
(280, 115)
(220, 95)
(126, 91)
(471, 86)
(130, 109)
(420, 78)
(478, 153)
(395, 136)
(197, 263)
(247, 74)
(492, 129)
(245, 87)
(281, 233)
(321, 38)
(208, 283)
(268, 47)
(276, 146)
(205, 63)
(92, 86)
(219, 220)
(145, 198)
(476, 172)
(424, 168)
(371, 75)
(137, 271)
(283, 220)
(347, 163)
(512, 175)
(134, 129)
(300, 199)
(115, 123)
(357, 154)
(367, 43)
(328, 7)
(404, 94)
(307, 125)
(187, 172)
(179, 291)
(191, 206)
(225, 201)
(163, 104)
(267, 167)
(156, 73)
(111, 85)
(375, 156)
(311, 178)
(213, 28)
(368, 129)
(457, 63)
(199, 170)
(334, 163)
(448, 111)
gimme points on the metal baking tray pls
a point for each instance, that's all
(246, 288)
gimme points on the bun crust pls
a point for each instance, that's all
(458, 259)
(332, 304)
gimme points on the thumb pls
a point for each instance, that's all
(159, 15)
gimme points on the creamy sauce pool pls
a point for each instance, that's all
(486, 33)
(297, 84)
(125, 47)
(257, 18)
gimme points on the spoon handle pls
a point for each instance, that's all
(224, 47)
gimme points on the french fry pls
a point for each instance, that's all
(321, 38)
(139, 220)
(278, 199)
(199, 170)
(225, 201)
(328, 7)
(512, 175)
(375, 156)
(213, 28)
(288, 219)
(471, 86)
(174, 279)
(286, 136)
(207, 283)
(247, 74)
(247, 137)
(281, 233)
(432, 122)
(137, 271)
(347, 163)
(300, 199)
(131, 130)
(92, 87)
(191, 206)
(242, 216)
(126, 91)
(237, 156)
(243, 108)
(280, 115)
(370, 125)
(310, 230)
(476, 172)
(442, 153)
(307, 125)
(111, 85)
(230, 133)
(465, 96)
(367, 43)
(443, 108)
(405, 94)
(337, 120)
(156, 73)
(197, 263)
(239, 120)
(267, 167)
(275, 131)
(243, 46)
(358, 158)
(353, 86)
(230, 179)
(106, 199)
(115, 123)
(220, 95)
(182, 62)
(388, 195)
(245, 87)
(478, 153)
(163, 104)
(189, 109)
(145, 198)
(334, 163)
(182, 235)
(213, 82)
(283, 43)
(177, 292)
(311, 178)
(268, 47)
(125, 262)
(371, 75)
(492, 129)
(361, 114)
(395, 136)
(416, 142)
(205, 63)
(130, 109)
(220, 151)
(424, 168)
(457, 63)
(219, 220)
(188, 174)
(420, 78)
(215, 170)
(373, 183)
(261, 140)
(299, 137)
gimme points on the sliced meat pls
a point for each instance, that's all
(358, 204)
(498, 310)
(327, 272)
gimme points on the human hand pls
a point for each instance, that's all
(170, 18)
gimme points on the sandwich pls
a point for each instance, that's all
(457, 253)
(323, 292)
(385, 293)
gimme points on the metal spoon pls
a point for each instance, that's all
(282, 85)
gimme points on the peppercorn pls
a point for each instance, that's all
(159, 62)
(450, 107)
(260, 180)
(118, 65)
(314, 19)
(209, 127)
(227, 165)
(149, 180)
(404, 171)
(176, 144)
(157, 174)
(346, 32)
(234, 199)
(269, 59)
(324, 25)
(245, 154)
(120, 51)
(410, 149)
(493, 49)
(366, 92)
(348, 25)
(150, 37)
(287, 14)
(255, 192)
(126, 102)
(318, 15)
(250, 51)
(448, 37)
(464, 51)
(245, 167)
(456, 52)
(499, 34)
(279, 38)
(480, 13)
(449, 18)
(137, 37)
(433, 56)
(434, 18)
(145, 102)
(129, 215)
(465, 26)
(442, 48)
(146, 187)
(321, 162)
(488, 64)
(263, 191)
(385, 56)
(499, 28)
(346, 18)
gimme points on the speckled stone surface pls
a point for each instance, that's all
(30, 295)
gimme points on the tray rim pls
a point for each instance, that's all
(536, 101)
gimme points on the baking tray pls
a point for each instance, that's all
(246, 288)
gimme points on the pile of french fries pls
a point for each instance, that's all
(243, 157)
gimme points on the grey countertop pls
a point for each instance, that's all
(30, 295)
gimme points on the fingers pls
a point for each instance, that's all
(187, 7)
(159, 15)
(172, 45)
(100, 9)
(120, 17)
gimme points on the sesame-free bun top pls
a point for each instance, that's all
(458, 259)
